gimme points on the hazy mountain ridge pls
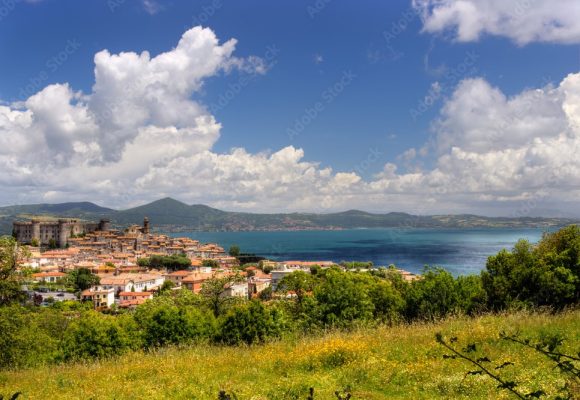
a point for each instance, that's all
(171, 214)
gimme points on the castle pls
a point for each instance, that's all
(59, 231)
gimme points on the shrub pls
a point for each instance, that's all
(248, 323)
(94, 335)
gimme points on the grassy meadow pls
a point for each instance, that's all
(385, 363)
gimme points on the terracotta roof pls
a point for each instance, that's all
(143, 294)
(180, 273)
(47, 274)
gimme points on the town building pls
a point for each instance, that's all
(100, 296)
(133, 299)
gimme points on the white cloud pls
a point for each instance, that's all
(139, 136)
(523, 21)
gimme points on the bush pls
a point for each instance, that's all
(343, 300)
(544, 275)
(94, 335)
(174, 320)
(26, 337)
(432, 297)
(248, 323)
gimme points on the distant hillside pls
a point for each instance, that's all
(172, 215)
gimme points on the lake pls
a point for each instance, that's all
(461, 251)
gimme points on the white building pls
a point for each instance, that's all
(100, 296)
(237, 290)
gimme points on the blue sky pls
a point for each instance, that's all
(382, 59)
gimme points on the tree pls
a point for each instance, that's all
(213, 291)
(28, 337)
(343, 298)
(171, 263)
(164, 321)
(299, 282)
(34, 242)
(388, 302)
(234, 251)
(433, 296)
(11, 254)
(97, 335)
(52, 244)
(166, 287)
(210, 263)
(248, 323)
(83, 279)
(547, 274)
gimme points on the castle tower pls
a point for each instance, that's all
(104, 225)
(63, 232)
(146, 229)
(35, 230)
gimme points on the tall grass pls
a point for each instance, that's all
(384, 363)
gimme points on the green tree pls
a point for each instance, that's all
(165, 321)
(248, 323)
(166, 287)
(388, 302)
(213, 291)
(172, 263)
(95, 335)
(342, 300)
(210, 263)
(83, 279)
(543, 275)
(234, 251)
(11, 254)
(433, 296)
(52, 244)
(299, 282)
(28, 337)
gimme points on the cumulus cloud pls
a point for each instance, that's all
(139, 135)
(523, 21)
(500, 149)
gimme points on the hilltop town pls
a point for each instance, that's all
(122, 261)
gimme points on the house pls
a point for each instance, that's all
(279, 274)
(177, 276)
(257, 284)
(48, 277)
(237, 290)
(195, 281)
(127, 282)
(99, 296)
(133, 299)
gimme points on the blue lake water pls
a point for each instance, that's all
(461, 251)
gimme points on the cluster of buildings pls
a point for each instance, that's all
(113, 256)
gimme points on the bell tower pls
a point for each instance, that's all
(146, 229)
